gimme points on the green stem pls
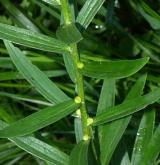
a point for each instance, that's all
(66, 12)
(79, 77)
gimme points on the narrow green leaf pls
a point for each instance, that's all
(48, 9)
(111, 138)
(150, 15)
(32, 39)
(69, 64)
(107, 97)
(16, 75)
(106, 100)
(25, 98)
(39, 120)
(152, 149)
(34, 76)
(79, 154)
(69, 34)
(18, 15)
(127, 108)
(52, 2)
(38, 148)
(143, 137)
(88, 11)
(113, 69)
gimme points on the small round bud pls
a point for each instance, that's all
(89, 121)
(77, 99)
(78, 113)
(80, 65)
(85, 137)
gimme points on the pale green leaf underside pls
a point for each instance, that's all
(113, 69)
(32, 39)
(38, 148)
(127, 108)
(79, 154)
(39, 120)
(34, 76)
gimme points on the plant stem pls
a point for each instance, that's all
(66, 12)
(80, 88)
(79, 77)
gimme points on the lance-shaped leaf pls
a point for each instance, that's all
(128, 107)
(88, 11)
(34, 76)
(152, 149)
(125, 160)
(25, 98)
(106, 100)
(39, 120)
(113, 69)
(149, 14)
(52, 2)
(111, 138)
(79, 154)
(32, 39)
(38, 148)
(78, 129)
(11, 75)
(143, 137)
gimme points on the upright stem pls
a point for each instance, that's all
(79, 77)
(66, 12)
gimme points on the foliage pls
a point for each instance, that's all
(79, 82)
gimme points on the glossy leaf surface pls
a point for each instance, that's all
(31, 39)
(128, 107)
(35, 76)
(37, 147)
(39, 120)
(113, 69)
